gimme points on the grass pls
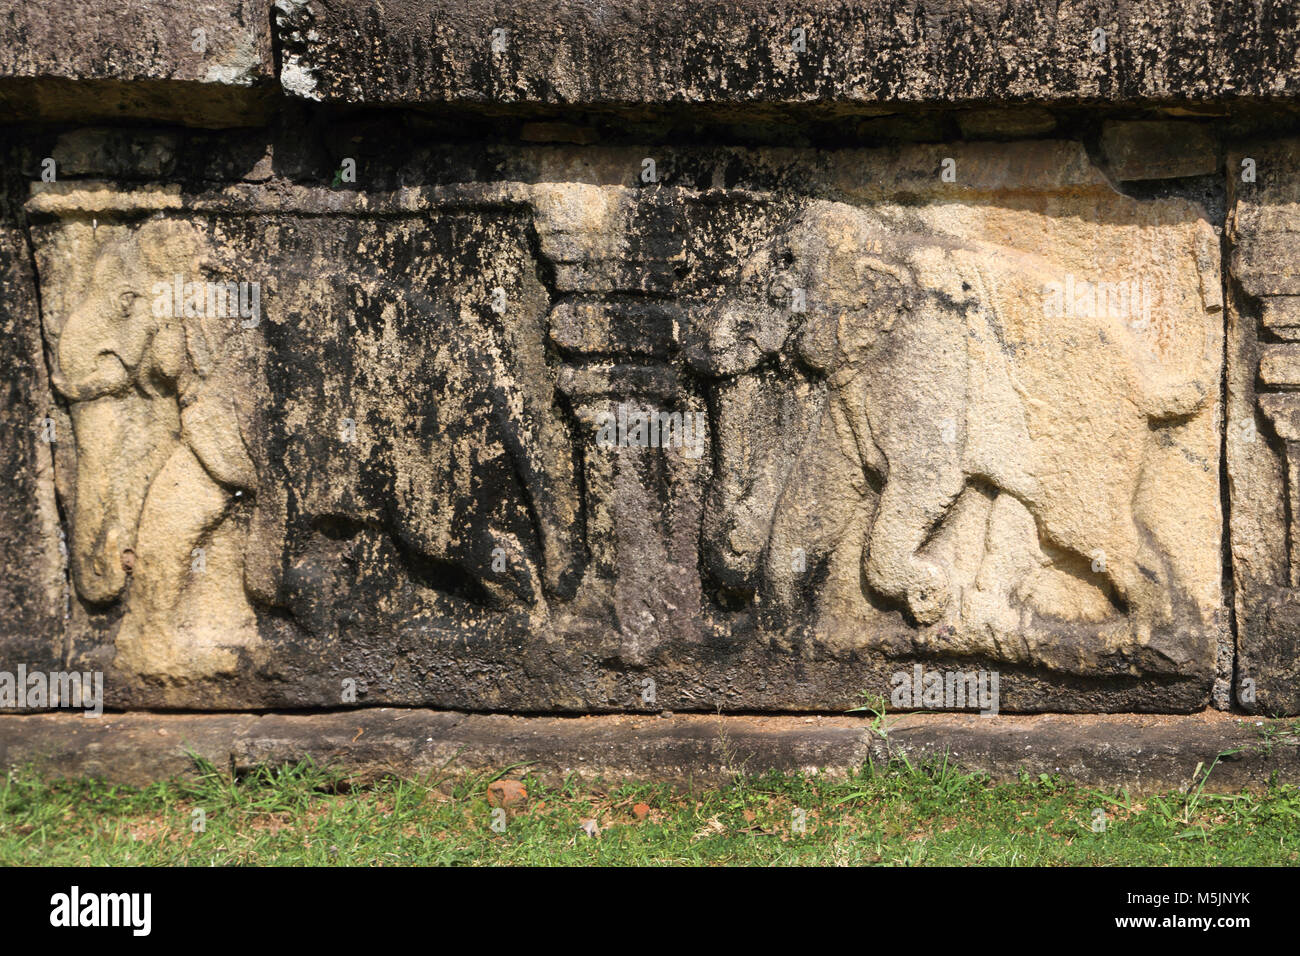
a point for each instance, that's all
(892, 815)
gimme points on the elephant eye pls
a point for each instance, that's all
(127, 299)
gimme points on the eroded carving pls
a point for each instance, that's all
(1262, 427)
(412, 430)
(876, 371)
(916, 434)
(152, 370)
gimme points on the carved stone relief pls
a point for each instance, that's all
(530, 434)
(1263, 423)
(964, 431)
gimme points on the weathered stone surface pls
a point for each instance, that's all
(1281, 316)
(747, 52)
(1005, 123)
(1143, 754)
(811, 62)
(208, 64)
(1263, 422)
(386, 443)
(1158, 149)
(1279, 365)
(610, 357)
(33, 582)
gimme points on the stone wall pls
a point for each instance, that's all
(589, 357)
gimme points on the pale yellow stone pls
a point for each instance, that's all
(158, 446)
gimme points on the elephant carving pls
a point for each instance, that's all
(226, 459)
(868, 368)
(154, 385)
(427, 426)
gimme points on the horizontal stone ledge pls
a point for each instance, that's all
(1144, 753)
(629, 53)
(215, 63)
(208, 63)
(565, 176)
(1279, 365)
(183, 102)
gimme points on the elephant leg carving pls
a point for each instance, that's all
(1140, 582)
(911, 504)
(182, 506)
(914, 403)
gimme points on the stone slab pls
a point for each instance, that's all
(1141, 753)
(1263, 421)
(817, 54)
(1158, 149)
(208, 63)
(406, 474)
(34, 593)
